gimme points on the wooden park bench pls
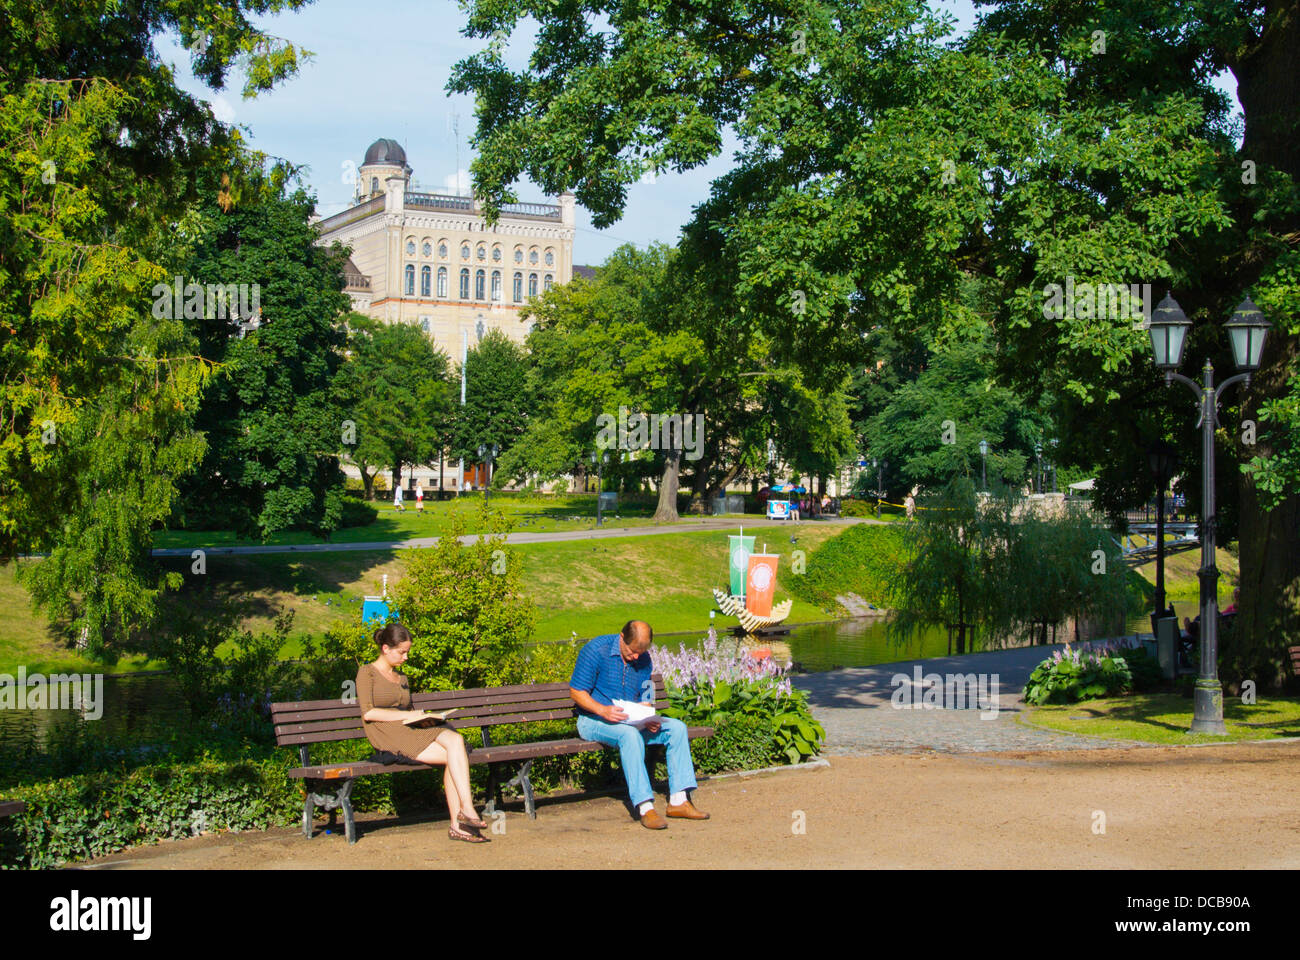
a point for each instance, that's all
(10, 808)
(328, 721)
(1295, 660)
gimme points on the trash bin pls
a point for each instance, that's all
(1167, 646)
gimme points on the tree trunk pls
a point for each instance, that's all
(719, 489)
(397, 475)
(667, 509)
(1269, 618)
(368, 482)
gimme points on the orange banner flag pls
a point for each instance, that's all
(760, 584)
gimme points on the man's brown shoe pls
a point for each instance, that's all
(686, 811)
(652, 821)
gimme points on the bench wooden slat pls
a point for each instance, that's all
(9, 808)
(470, 694)
(504, 753)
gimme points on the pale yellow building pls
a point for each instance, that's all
(430, 259)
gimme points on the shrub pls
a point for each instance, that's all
(856, 508)
(1084, 673)
(358, 513)
(712, 688)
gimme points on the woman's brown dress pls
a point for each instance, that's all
(393, 736)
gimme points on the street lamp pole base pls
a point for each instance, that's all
(1207, 708)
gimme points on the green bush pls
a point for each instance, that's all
(1083, 674)
(358, 513)
(856, 508)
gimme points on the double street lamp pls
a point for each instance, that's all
(1247, 331)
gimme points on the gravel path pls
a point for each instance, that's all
(854, 705)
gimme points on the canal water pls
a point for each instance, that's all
(142, 708)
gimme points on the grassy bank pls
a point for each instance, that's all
(587, 587)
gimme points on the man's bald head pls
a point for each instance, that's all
(637, 635)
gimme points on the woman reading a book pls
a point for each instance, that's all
(384, 696)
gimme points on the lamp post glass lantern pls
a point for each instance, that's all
(1247, 331)
(984, 466)
(598, 460)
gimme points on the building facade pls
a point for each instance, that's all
(430, 259)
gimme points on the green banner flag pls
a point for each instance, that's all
(741, 548)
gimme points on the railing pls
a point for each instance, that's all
(440, 201)
(540, 211)
(372, 206)
(356, 281)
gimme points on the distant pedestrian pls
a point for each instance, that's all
(419, 497)
(397, 496)
(910, 505)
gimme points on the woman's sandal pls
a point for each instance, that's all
(466, 837)
(477, 824)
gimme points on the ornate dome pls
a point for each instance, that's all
(386, 151)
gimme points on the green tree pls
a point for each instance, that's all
(497, 406)
(100, 160)
(396, 388)
(273, 427)
(881, 164)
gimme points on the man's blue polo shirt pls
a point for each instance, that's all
(602, 672)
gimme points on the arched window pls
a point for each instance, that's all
(479, 278)
(410, 248)
(550, 258)
(464, 284)
(442, 250)
(548, 283)
(519, 288)
(532, 256)
(482, 251)
(496, 254)
(425, 275)
(442, 283)
(410, 279)
(532, 284)
(519, 254)
(464, 251)
(427, 249)
(374, 184)
(496, 284)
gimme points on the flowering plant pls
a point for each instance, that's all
(720, 687)
(1085, 672)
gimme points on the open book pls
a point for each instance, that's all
(638, 714)
(431, 718)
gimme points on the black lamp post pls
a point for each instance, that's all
(487, 452)
(1052, 464)
(1247, 331)
(880, 466)
(598, 461)
(1038, 478)
(984, 466)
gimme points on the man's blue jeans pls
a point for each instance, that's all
(631, 744)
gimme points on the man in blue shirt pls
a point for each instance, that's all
(616, 666)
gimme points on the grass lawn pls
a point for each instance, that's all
(587, 587)
(530, 516)
(1164, 718)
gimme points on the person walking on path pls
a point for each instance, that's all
(397, 495)
(419, 497)
(910, 505)
(616, 666)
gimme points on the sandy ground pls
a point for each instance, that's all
(1180, 807)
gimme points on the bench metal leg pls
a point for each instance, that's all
(339, 799)
(520, 780)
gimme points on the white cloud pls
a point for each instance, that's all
(457, 183)
(221, 109)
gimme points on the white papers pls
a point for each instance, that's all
(638, 714)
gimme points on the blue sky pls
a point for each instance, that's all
(327, 115)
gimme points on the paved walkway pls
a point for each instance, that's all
(854, 705)
(419, 542)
